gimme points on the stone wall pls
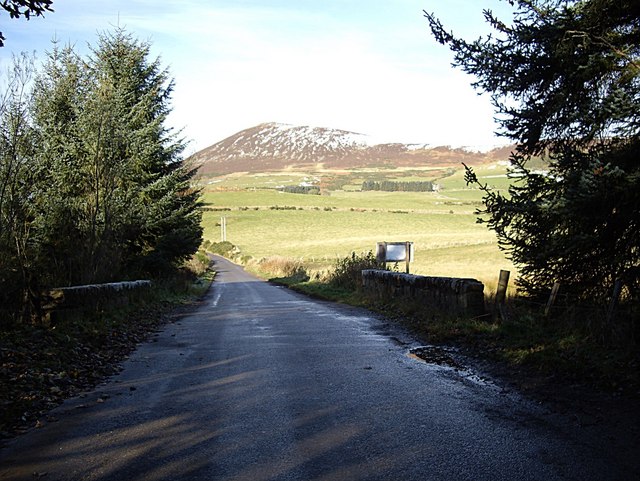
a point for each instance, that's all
(447, 294)
(63, 302)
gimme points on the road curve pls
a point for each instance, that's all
(260, 383)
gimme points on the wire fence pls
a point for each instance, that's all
(616, 320)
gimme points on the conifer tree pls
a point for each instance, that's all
(564, 78)
(93, 186)
(115, 196)
(59, 161)
(162, 226)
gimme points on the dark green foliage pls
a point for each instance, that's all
(393, 186)
(565, 81)
(347, 272)
(93, 187)
(163, 225)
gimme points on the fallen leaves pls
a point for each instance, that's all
(40, 367)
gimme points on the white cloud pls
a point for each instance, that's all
(329, 77)
(364, 66)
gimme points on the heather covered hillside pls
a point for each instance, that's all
(273, 146)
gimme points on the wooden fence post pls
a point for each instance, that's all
(501, 295)
(552, 298)
(407, 246)
(503, 282)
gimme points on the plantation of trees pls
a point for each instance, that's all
(93, 187)
(301, 189)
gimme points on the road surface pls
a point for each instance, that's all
(260, 383)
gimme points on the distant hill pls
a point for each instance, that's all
(273, 146)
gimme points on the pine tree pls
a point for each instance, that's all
(162, 228)
(565, 81)
(115, 198)
(62, 187)
(92, 183)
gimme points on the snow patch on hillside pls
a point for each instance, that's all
(306, 136)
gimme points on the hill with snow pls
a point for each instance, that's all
(273, 146)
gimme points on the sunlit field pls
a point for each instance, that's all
(318, 229)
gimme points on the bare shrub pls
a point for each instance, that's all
(347, 272)
(198, 263)
(279, 266)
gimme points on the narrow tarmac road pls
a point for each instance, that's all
(260, 383)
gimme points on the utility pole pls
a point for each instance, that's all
(223, 228)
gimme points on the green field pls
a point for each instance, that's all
(318, 229)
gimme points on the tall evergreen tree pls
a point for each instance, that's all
(61, 190)
(115, 197)
(565, 81)
(162, 227)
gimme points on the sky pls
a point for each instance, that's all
(366, 66)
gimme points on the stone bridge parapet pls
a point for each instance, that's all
(456, 296)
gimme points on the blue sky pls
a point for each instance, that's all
(368, 66)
